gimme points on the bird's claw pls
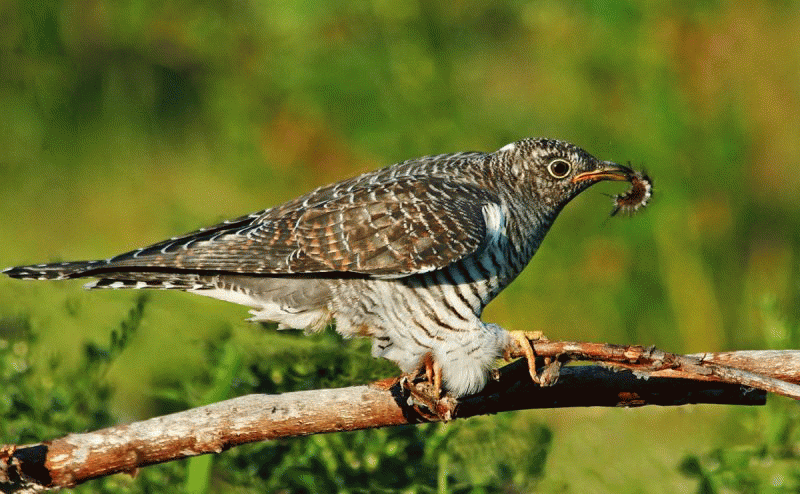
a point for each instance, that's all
(430, 407)
(550, 373)
(520, 345)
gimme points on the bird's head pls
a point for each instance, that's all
(553, 172)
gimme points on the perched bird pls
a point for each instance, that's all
(408, 255)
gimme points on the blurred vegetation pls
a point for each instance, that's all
(128, 122)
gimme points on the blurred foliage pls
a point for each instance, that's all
(128, 122)
(769, 462)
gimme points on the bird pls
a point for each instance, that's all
(407, 255)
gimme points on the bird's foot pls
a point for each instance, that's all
(426, 400)
(424, 388)
(520, 345)
(550, 372)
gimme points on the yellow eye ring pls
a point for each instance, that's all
(559, 168)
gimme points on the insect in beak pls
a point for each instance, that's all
(630, 201)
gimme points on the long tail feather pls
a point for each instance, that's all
(132, 279)
(55, 271)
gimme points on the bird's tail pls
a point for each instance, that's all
(108, 277)
(55, 271)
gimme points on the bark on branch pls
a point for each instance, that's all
(741, 378)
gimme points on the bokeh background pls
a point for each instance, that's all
(127, 122)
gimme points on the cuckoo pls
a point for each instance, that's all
(408, 255)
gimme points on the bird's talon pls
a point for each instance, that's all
(550, 373)
(424, 397)
(521, 346)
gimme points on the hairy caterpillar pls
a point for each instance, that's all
(637, 196)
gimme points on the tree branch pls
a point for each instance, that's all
(769, 370)
(706, 378)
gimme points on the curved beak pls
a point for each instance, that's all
(608, 170)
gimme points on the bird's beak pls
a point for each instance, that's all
(608, 170)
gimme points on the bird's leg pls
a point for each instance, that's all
(520, 345)
(434, 373)
(430, 370)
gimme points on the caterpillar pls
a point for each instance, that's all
(637, 196)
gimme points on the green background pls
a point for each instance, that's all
(123, 123)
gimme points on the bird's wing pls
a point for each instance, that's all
(395, 227)
(403, 227)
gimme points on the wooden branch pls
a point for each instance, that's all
(708, 378)
(773, 371)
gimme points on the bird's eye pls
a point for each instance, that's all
(559, 168)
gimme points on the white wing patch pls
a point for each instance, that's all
(495, 216)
